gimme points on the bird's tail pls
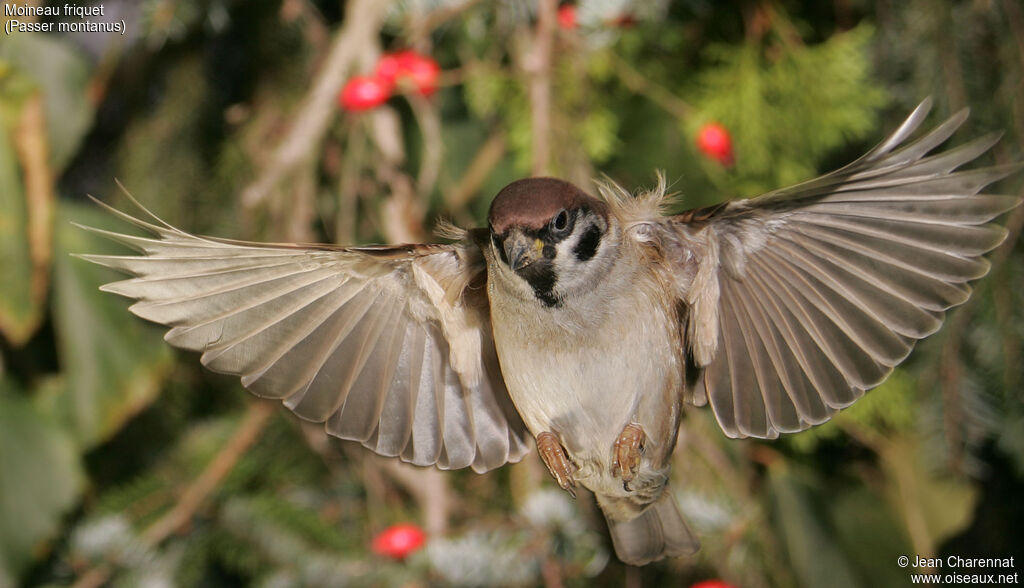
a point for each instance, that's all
(657, 532)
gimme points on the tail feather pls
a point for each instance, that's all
(658, 532)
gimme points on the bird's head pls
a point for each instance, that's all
(552, 236)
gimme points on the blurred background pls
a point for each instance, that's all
(122, 462)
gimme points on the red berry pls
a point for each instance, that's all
(363, 93)
(713, 140)
(424, 72)
(421, 71)
(389, 67)
(398, 541)
(712, 584)
(567, 16)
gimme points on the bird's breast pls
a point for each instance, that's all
(586, 379)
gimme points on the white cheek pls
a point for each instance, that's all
(575, 275)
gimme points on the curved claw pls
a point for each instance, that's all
(629, 447)
(557, 460)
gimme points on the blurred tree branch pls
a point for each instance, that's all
(537, 65)
(479, 169)
(639, 84)
(195, 495)
(360, 28)
(419, 29)
(428, 487)
(429, 121)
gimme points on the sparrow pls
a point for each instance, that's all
(588, 322)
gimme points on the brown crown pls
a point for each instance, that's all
(532, 202)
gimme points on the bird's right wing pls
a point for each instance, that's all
(390, 346)
(798, 301)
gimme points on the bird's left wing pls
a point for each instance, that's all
(390, 346)
(796, 302)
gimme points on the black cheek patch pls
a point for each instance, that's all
(500, 246)
(588, 243)
(548, 252)
(541, 277)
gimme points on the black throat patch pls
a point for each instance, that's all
(540, 275)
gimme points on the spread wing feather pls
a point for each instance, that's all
(389, 347)
(825, 286)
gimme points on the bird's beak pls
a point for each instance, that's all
(522, 250)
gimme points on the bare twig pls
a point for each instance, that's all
(487, 157)
(348, 188)
(537, 64)
(907, 494)
(697, 439)
(198, 491)
(641, 85)
(951, 373)
(632, 577)
(95, 577)
(432, 154)
(360, 27)
(420, 28)
(298, 226)
(526, 477)
(402, 213)
(314, 29)
(551, 572)
(220, 466)
(428, 487)
(1015, 20)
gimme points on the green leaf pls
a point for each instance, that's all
(815, 557)
(40, 478)
(935, 507)
(113, 363)
(20, 311)
(63, 74)
(871, 535)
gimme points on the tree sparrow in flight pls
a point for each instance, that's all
(588, 322)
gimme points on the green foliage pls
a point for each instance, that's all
(112, 367)
(492, 93)
(40, 478)
(20, 311)
(166, 136)
(890, 407)
(589, 121)
(806, 532)
(788, 105)
(36, 139)
(63, 75)
(936, 505)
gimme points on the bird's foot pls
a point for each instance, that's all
(628, 448)
(557, 460)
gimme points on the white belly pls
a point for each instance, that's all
(586, 384)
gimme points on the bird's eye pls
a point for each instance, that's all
(560, 222)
